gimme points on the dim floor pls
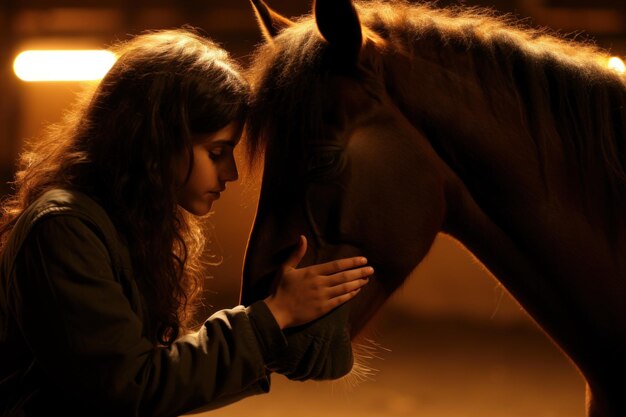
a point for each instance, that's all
(437, 369)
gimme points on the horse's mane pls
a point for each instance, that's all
(566, 78)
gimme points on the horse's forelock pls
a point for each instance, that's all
(288, 84)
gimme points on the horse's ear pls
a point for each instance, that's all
(338, 22)
(270, 22)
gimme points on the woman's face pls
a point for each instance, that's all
(213, 166)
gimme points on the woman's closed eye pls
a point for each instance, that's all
(216, 153)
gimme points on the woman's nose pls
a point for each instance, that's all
(230, 172)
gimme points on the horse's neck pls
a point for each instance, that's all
(582, 312)
(522, 183)
(517, 209)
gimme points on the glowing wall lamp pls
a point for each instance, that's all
(63, 65)
(617, 65)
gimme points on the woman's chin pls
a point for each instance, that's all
(198, 209)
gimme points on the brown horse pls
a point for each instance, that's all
(385, 123)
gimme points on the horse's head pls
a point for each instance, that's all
(339, 156)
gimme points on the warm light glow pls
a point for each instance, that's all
(67, 65)
(617, 65)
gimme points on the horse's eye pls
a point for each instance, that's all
(324, 165)
(321, 161)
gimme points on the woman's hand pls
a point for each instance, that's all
(305, 294)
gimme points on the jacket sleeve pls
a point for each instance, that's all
(87, 339)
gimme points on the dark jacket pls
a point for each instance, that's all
(73, 333)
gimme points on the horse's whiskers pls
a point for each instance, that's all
(365, 352)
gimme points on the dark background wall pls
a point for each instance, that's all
(449, 282)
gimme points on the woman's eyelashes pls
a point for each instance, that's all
(216, 153)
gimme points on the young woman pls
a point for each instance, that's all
(101, 248)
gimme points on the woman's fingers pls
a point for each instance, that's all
(337, 301)
(305, 294)
(349, 275)
(346, 287)
(330, 268)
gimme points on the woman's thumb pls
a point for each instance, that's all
(297, 254)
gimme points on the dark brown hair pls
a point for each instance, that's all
(118, 145)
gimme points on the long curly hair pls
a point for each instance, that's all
(118, 145)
